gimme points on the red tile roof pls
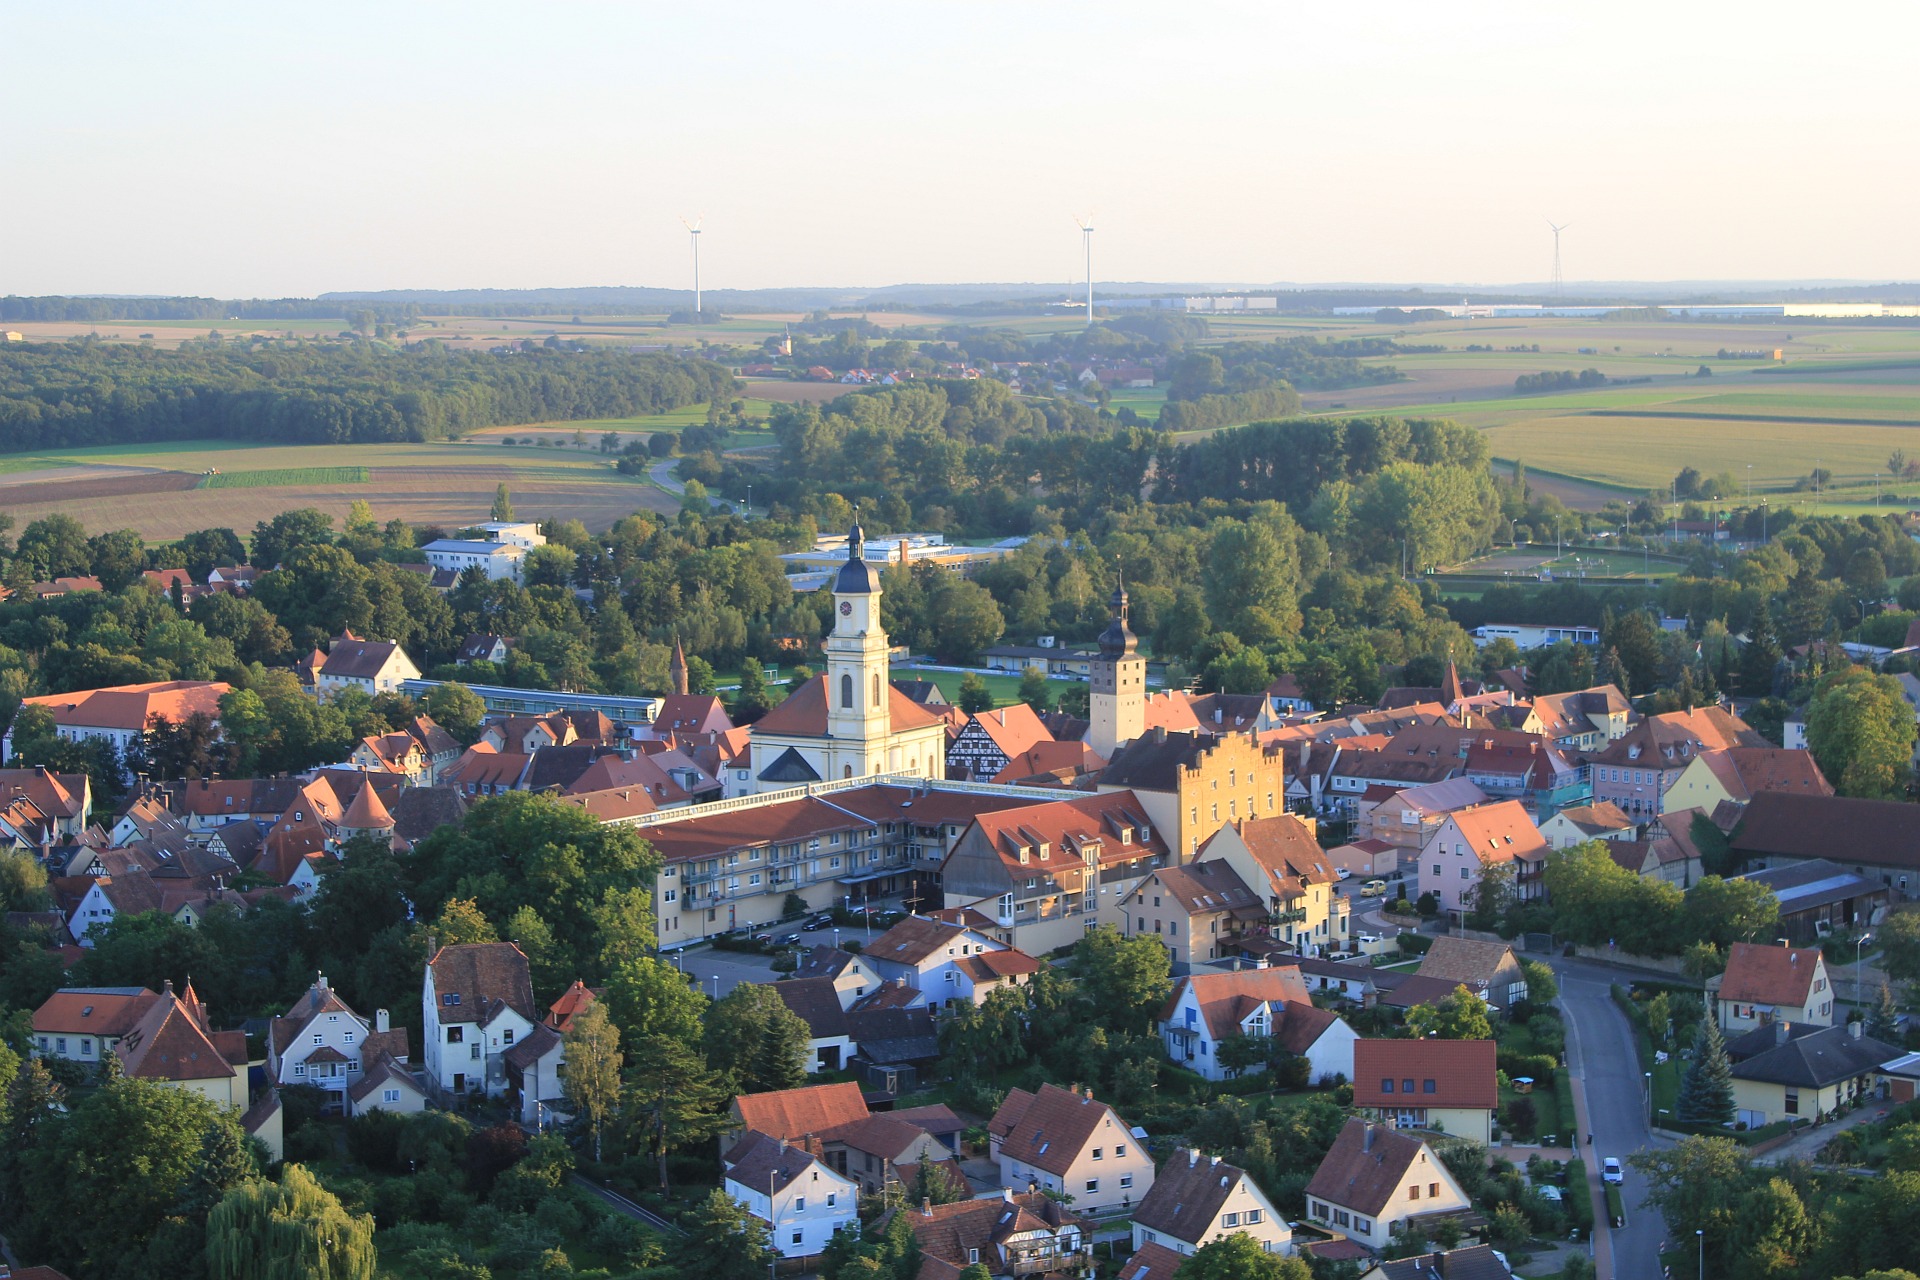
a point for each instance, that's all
(1227, 998)
(1365, 1166)
(748, 828)
(1462, 1072)
(93, 1011)
(1049, 1129)
(173, 1042)
(1500, 832)
(795, 1113)
(1761, 974)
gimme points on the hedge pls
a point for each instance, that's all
(1616, 1211)
(1414, 944)
(1579, 1200)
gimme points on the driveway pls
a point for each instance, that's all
(1610, 1103)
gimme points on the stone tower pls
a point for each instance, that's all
(1117, 700)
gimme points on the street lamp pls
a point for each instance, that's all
(1649, 1076)
(1858, 942)
(1701, 1235)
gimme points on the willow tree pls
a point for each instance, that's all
(294, 1229)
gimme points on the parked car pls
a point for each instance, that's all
(1344, 873)
(1610, 1171)
(791, 940)
(817, 923)
(1374, 889)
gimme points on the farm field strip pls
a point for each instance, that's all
(279, 476)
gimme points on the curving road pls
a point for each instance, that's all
(1611, 1101)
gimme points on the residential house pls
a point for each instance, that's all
(1349, 980)
(1406, 818)
(386, 1085)
(475, 1003)
(1472, 840)
(830, 1045)
(496, 560)
(1198, 1198)
(1192, 784)
(39, 807)
(175, 1044)
(1878, 839)
(946, 961)
(1818, 899)
(832, 1121)
(681, 714)
(119, 715)
(322, 1042)
(1206, 1009)
(1018, 1234)
(852, 974)
(1289, 699)
(1365, 859)
(1527, 767)
(1488, 969)
(1583, 822)
(528, 734)
(1065, 1141)
(1637, 769)
(1375, 1178)
(794, 1114)
(396, 753)
(481, 647)
(83, 1024)
(1050, 872)
(1764, 984)
(372, 666)
(1449, 1086)
(989, 740)
(1798, 1071)
(1586, 720)
(1739, 773)
(1279, 859)
(800, 1197)
(100, 899)
(1206, 908)
(1152, 1262)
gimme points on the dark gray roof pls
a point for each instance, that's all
(1153, 761)
(789, 766)
(560, 766)
(894, 1035)
(924, 692)
(420, 811)
(1479, 1262)
(1187, 1194)
(816, 1002)
(1818, 1059)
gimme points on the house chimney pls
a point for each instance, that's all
(1782, 1030)
(380, 1020)
(926, 1205)
(1853, 1028)
(166, 987)
(320, 980)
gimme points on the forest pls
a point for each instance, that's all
(85, 392)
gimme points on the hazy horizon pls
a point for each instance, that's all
(194, 150)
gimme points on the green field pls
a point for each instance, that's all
(1144, 401)
(277, 477)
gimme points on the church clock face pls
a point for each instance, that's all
(846, 608)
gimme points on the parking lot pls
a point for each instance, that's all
(719, 972)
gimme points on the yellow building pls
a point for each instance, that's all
(1737, 773)
(1192, 784)
(1797, 1071)
(1281, 861)
(174, 1044)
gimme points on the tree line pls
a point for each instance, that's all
(86, 392)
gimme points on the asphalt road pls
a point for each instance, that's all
(1601, 1056)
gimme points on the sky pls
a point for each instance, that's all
(286, 149)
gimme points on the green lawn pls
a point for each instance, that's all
(1546, 1109)
(1005, 689)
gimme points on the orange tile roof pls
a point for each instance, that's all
(795, 1113)
(131, 706)
(1013, 728)
(1760, 974)
(1227, 998)
(1462, 1072)
(1069, 829)
(572, 1002)
(804, 712)
(93, 1011)
(1500, 832)
(173, 1042)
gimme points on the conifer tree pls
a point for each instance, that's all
(1706, 1091)
(1883, 1022)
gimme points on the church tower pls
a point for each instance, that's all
(677, 668)
(1117, 700)
(858, 693)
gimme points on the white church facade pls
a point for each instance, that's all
(850, 722)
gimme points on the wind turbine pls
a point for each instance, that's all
(693, 230)
(1558, 286)
(1086, 236)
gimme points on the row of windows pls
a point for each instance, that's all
(1406, 1086)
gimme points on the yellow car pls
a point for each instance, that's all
(1374, 889)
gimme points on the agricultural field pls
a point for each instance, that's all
(1844, 397)
(1531, 562)
(156, 489)
(283, 476)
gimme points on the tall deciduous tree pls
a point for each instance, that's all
(673, 1100)
(1126, 980)
(502, 504)
(1240, 1257)
(1861, 731)
(593, 1068)
(1460, 1016)
(755, 1041)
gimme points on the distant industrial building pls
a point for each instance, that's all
(1703, 310)
(809, 570)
